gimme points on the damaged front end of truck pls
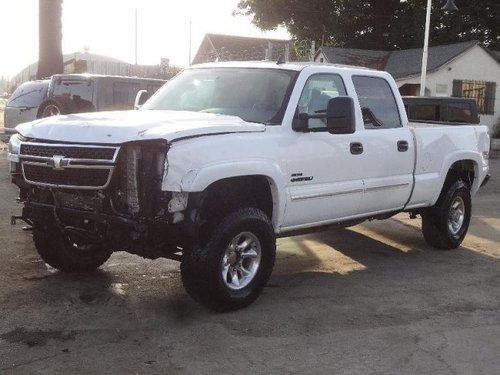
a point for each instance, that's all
(105, 195)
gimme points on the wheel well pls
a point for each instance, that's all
(461, 170)
(237, 192)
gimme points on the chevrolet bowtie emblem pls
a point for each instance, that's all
(58, 162)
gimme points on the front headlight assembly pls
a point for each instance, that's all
(15, 148)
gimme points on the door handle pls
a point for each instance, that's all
(356, 148)
(402, 146)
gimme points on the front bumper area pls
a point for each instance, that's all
(151, 240)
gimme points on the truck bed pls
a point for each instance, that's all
(438, 146)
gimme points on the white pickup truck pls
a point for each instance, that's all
(226, 157)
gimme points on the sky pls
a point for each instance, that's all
(107, 27)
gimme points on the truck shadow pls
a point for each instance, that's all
(338, 279)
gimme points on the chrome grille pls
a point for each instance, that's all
(88, 178)
(38, 150)
(68, 166)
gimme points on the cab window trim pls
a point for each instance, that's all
(325, 128)
(393, 97)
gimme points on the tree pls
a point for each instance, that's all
(50, 38)
(377, 24)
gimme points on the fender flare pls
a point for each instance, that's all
(457, 156)
(199, 180)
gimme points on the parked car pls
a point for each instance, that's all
(74, 93)
(227, 157)
(447, 110)
(24, 103)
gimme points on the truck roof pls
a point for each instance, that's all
(92, 75)
(291, 65)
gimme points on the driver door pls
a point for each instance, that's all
(325, 176)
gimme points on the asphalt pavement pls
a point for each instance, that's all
(371, 299)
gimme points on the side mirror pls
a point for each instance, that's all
(140, 98)
(340, 118)
(339, 115)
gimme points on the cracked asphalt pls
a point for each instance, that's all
(371, 299)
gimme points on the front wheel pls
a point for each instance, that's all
(445, 225)
(232, 268)
(68, 253)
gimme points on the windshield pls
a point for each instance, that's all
(255, 95)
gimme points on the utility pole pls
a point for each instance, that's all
(190, 32)
(135, 36)
(449, 7)
(423, 75)
(50, 39)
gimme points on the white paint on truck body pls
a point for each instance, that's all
(205, 148)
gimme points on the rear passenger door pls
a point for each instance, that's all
(388, 147)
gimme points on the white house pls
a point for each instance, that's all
(466, 69)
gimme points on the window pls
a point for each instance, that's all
(124, 94)
(71, 88)
(77, 92)
(459, 112)
(426, 112)
(255, 95)
(482, 92)
(377, 101)
(318, 90)
(441, 89)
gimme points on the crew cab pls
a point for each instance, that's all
(227, 157)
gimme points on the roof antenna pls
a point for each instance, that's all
(281, 60)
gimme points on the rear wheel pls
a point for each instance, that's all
(445, 225)
(231, 269)
(68, 253)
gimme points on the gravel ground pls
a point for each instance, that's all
(372, 299)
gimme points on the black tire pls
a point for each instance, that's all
(201, 266)
(435, 221)
(58, 251)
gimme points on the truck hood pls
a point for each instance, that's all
(125, 126)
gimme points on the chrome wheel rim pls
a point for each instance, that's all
(51, 110)
(241, 261)
(456, 215)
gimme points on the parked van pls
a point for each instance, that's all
(74, 93)
(24, 103)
